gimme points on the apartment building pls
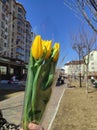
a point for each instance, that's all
(15, 36)
(4, 26)
(92, 67)
(74, 68)
(29, 39)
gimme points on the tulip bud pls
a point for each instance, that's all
(48, 45)
(56, 51)
(36, 48)
(43, 45)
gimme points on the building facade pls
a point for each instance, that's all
(75, 68)
(92, 67)
(15, 36)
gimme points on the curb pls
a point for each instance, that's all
(56, 110)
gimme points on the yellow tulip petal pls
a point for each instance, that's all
(56, 49)
(36, 48)
(48, 45)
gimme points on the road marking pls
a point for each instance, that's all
(49, 127)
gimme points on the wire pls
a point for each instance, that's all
(74, 8)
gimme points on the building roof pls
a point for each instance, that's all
(18, 3)
(92, 51)
(77, 62)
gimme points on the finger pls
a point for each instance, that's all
(21, 129)
(33, 126)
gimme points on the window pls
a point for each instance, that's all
(27, 25)
(2, 24)
(5, 37)
(14, 5)
(91, 57)
(3, 16)
(92, 63)
(11, 70)
(2, 33)
(4, 1)
(20, 10)
(3, 69)
(17, 42)
(12, 40)
(19, 16)
(11, 49)
(13, 25)
(3, 8)
(11, 54)
(92, 68)
(6, 29)
(4, 44)
(12, 34)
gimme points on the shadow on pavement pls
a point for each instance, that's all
(7, 89)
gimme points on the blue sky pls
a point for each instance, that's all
(54, 21)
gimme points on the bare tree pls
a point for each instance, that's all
(77, 46)
(83, 44)
(88, 9)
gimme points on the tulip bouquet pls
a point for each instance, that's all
(42, 63)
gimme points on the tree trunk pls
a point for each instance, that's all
(86, 79)
(80, 82)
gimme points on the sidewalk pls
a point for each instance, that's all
(12, 107)
(52, 106)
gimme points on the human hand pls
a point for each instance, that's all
(33, 126)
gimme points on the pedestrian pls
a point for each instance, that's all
(13, 78)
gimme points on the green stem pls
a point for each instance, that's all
(27, 98)
(34, 93)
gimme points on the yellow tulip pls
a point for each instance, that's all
(48, 46)
(56, 50)
(57, 46)
(36, 48)
(43, 45)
